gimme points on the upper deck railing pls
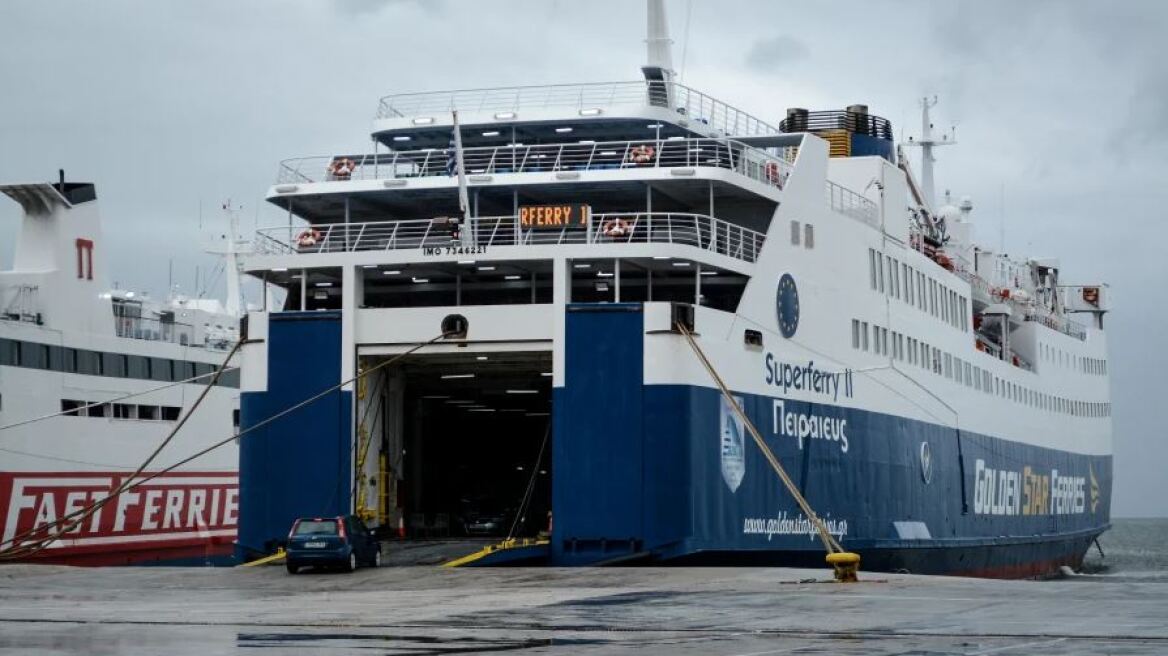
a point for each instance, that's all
(847, 202)
(688, 103)
(697, 230)
(756, 164)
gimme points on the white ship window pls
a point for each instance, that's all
(170, 413)
(98, 410)
(894, 276)
(864, 334)
(794, 233)
(872, 268)
(855, 333)
(808, 236)
(884, 341)
(149, 412)
(906, 283)
(890, 271)
(880, 271)
(125, 411)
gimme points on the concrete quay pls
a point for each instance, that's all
(431, 610)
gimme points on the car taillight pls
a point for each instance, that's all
(341, 529)
(293, 531)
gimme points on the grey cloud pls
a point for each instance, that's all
(774, 53)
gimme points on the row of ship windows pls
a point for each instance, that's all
(49, 357)
(882, 341)
(898, 280)
(73, 408)
(1086, 365)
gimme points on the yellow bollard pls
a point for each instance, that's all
(846, 565)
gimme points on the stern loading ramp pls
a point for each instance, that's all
(453, 444)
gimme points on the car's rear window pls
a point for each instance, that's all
(316, 527)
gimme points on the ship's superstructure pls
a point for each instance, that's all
(91, 381)
(944, 406)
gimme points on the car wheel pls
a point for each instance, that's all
(377, 557)
(292, 569)
(352, 561)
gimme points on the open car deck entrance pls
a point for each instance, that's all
(456, 445)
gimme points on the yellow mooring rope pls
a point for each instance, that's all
(845, 563)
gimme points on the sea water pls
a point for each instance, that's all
(1132, 548)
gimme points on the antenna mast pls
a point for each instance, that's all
(926, 143)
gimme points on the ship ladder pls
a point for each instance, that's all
(845, 563)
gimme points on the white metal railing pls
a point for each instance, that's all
(688, 103)
(754, 163)
(696, 230)
(847, 202)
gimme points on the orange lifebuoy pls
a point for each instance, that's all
(342, 168)
(642, 154)
(771, 171)
(310, 237)
(616, 228)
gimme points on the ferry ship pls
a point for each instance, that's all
(942, 405)
(92, 379)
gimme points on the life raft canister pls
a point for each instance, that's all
(642, 154)
(310, 237)
(616, 228)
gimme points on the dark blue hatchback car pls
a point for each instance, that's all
(342, 542)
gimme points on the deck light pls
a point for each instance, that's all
(681, 264)
(709, 273)
(481, 357)
(402, 137)
(608, 152)
(486, 268)
(545, 373)
(604, 274)
(563, 130)
(480, 409)
(279, 269)
(655, 126)
(587, 141)
(423, 120)
(502, 116)
(453, 376)
(466, 261)
(512, 277)
(582, 266)
(324, 284)
(368, 266)
(391, 272)
(420, 280)
(661, 257)
(593, 111)
(491, 133)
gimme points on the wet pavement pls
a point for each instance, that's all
(430, 610)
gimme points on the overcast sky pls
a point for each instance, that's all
(1061, 110)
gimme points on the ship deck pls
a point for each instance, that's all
(561, 610)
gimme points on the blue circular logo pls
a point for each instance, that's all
(787, 305)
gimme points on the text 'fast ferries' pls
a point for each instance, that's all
(169, 508)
